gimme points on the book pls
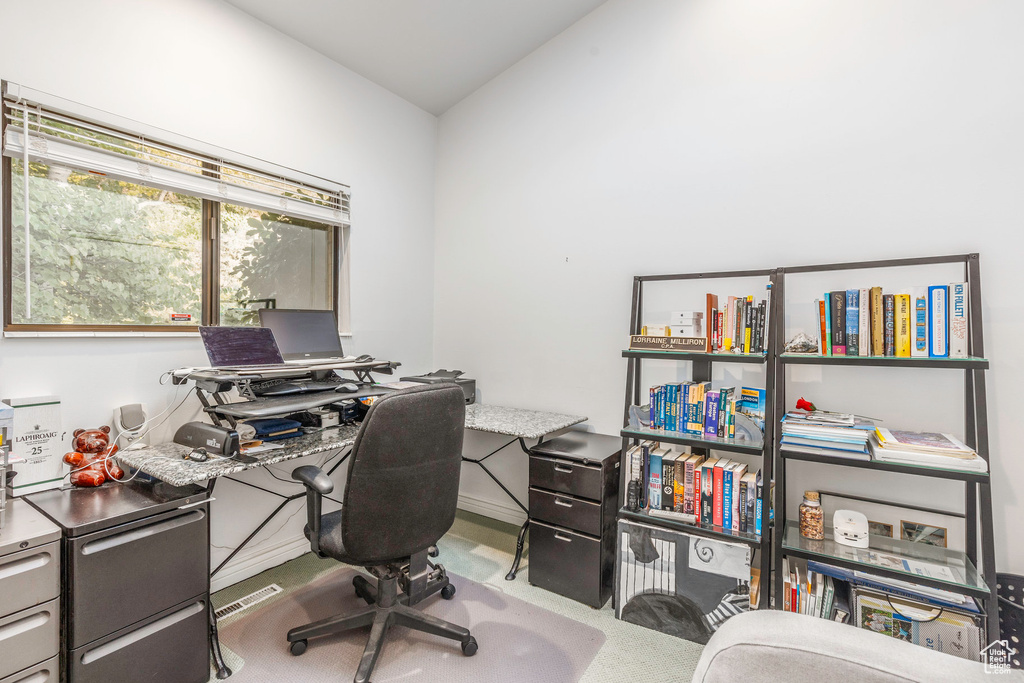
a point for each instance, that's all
(767, 312)
(707, 492)
(925, 442)
(828, 324)
(938, 319)
(738, 469)
(690, 484)
(711, 414)
(709, 318)
(635, 463)
(903, 331)
(727, 495)
(718, 491)
(919, 321)
(819, 308)
(748, 323)
(752, 404)
(743, 503)
(668, 481)
(758, 505)
(889, 330)
(750, 480)
(853, 322)
(958, 320)
(727, 325)
(838, 300)
(864, 345)
(654, 473)
(877, 322)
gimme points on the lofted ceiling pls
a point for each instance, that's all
(432, 53)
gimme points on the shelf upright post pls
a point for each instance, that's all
(632, 390)
(778, 373)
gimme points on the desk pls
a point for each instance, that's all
(165, 461)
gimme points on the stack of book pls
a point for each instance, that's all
(694, 489)
(924, 448)
(739, 324)
(922, 321)
(694, 408)
(815, 592)
(818, 432)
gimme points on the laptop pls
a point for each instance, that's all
(304, 336)
(241, 347)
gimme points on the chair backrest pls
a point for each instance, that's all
(403, 480)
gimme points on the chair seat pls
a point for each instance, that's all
(330, 540)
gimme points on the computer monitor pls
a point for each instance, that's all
(303, 334)
(237, 346)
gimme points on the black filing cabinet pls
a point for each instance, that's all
(574, 489)
(135, 560)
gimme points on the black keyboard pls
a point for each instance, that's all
(302, 386)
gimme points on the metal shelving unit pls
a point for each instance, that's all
(976, 579)
(701, 372)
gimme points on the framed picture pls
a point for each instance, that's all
(889, 520)
(923, 533)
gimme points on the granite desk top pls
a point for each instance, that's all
(166, 462)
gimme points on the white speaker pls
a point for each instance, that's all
(130, 424)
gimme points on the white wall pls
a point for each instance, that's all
(672, 136)
(203, 69)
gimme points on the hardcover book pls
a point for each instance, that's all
(707, 492)
(877, 322)
(889, 334)
(738, 470)
(903, 330)
(655, 472)
(853, 322)
(864, 345)
(719, 491)
(938, 316)
(819, 308)
(711, 413)
(838, 322)
(919, 321)
(668, 481)
(710, 317)
(958, 320)
(750, 500)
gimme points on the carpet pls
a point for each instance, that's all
(518, 641)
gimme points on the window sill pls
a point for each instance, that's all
(12, 334)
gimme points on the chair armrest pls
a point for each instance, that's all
(317, 484)
(314, 478)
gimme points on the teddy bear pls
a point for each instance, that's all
(91, 462)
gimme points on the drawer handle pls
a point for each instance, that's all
(38, 677)
(16, 628)
(25, 564)
(564, 468)
(562, 537)
(563, 503)
(142, 532)
(135, 636)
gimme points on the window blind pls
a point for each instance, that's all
(62, 139)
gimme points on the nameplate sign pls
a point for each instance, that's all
(639, 342)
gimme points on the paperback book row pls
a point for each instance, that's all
(696, 409)
(695, 489)
(893, 607)
(842, 435)
(738, 324)
(920, 322)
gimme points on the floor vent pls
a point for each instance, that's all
(249, 600)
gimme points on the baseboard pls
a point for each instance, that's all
(492, 509)
(260, 557)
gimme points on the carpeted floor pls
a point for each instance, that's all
(481, 549)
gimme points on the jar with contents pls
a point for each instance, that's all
(812, 517)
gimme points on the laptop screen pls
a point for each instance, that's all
(303, 333)
(231, 346)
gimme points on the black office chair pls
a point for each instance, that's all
(403, 485)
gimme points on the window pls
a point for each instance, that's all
(126, 233)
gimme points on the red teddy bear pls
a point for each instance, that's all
(91, 461)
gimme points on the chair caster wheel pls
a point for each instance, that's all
(448, 592)
(299, 646)
(432, 551)
(469, 647)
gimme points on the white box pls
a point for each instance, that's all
(655, 331)
(685, 317)
(685, 330)
(38, 438)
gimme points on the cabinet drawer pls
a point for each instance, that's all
(122, 575)
(29, 637)
(29, 578)
(47, 672)
(566, 563)
(562, 510)
(564, 476)
(171, 647)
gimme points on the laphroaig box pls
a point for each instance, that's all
(38, 437)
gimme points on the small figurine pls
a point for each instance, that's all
(91, 461)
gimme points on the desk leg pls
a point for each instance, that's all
(511, 576)
(218, 659)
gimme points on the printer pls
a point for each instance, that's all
(439, 376)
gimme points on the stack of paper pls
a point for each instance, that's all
(838, 435)
(925, 448)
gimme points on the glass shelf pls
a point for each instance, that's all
(890, 361)
(697, 441)
(903, 468)
(920, 563)
(756, 358)
(695, 529)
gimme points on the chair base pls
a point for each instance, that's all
(385, 609)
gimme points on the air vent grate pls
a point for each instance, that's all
(249, 600)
